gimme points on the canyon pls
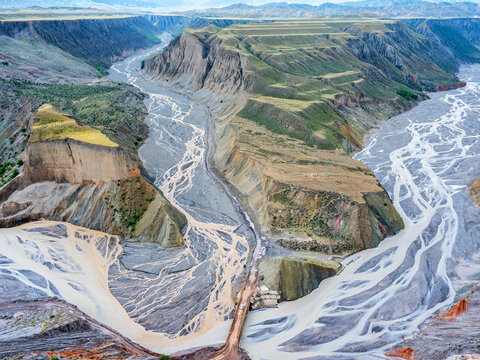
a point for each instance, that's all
(232, 155)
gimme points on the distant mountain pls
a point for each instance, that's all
(383, 8)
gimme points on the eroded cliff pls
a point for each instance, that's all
(87, 184)
(99, 41)
(287, 117)
(294, 278)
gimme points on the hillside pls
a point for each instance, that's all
(295, 99)
(381, 8)
(77, 174)
(68, 142)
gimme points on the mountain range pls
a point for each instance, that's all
(222, 8)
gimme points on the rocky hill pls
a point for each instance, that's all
(98, 41)
(461, 36)
(381, 8)
(291, 100)
(77, 174)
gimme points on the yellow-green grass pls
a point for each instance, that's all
(52, 125)
(286, 104)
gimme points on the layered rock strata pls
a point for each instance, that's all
(95, 186)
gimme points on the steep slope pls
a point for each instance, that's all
(293, 278)
(98, 41)
(291, 100)
(461, 36)
(76, 174)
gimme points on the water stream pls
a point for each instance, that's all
(165, 299)
(172, 299)
(425, 159)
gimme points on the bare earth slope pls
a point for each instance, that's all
(291, 100)
(87, 184)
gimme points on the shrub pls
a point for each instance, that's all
(407, 95)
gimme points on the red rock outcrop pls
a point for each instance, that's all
(452, 87)
(404, 353)
(454, 311)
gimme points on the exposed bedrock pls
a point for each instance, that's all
(293, 278)
(347, 220)
(201, 65)
(288, 185)
(90, 185)
(73, 161)
(99, 41)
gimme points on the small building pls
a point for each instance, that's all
(264, 298)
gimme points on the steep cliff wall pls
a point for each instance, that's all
(99, 41)
(293, 279)
(91, 185)
(73, 161)
(283, 150)
(327, 196)
(460, 36)
(130, 208)
(201, 65)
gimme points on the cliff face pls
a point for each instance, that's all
(74, 161)
(99, 41)
(408, 53)
(282, 150)
(129, 207)
(293, 278)
(99, 187)
(199, 65)
(326, 196)
(461, 37)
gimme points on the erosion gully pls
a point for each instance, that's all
(176, 155)
(170, 300)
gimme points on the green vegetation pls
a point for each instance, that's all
(408, 95)
(117, 111)
(52, 125)
(101, 68)
(9, 170)
(164, 357)
(5, 63)
(148, 35)
(130, 203)
(461, 47)
(303, 69)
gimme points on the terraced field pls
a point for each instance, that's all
(305, 94)
(302, 68)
